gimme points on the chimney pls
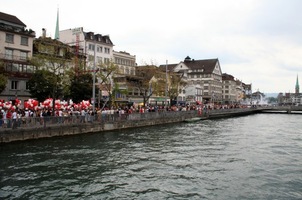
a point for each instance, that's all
(43, 32)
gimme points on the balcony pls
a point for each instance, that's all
(9, 57)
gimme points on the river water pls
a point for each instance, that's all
(251, 157)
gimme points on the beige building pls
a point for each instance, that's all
(126, 64)
(229, 91)
(16, 47)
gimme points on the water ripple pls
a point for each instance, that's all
(251, 157)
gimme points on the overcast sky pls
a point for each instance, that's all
(256, 41)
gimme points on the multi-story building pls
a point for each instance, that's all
(126, 65)
(126, 62)
(229, 92)
(16, 48)
(98, 48)
(204, 75)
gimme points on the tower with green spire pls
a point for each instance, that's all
(57, 26)
(297, 86)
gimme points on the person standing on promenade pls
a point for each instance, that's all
(83, 116)
(14, 118)
(9, 118)
(26, 116)
(4, 120)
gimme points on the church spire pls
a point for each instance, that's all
(57, 26)
(297, 86)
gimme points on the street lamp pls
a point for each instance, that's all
(166, 87)
(93, 81)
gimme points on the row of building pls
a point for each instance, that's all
(201, 80)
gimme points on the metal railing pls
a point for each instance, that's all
(99, 118)
(48, 121)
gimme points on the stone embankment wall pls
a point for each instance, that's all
(55, 130)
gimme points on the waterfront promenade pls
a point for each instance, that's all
(45, 127)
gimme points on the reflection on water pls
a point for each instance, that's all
(251, 157)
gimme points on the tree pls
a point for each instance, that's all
(55, 57)
(3, 78)
(41, 84)
(175, 81)
(146, 82)
(105, 75)
(81, 87)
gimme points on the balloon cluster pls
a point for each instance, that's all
(10, 105)
(33, 104)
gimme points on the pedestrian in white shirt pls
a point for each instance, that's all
(14, 117)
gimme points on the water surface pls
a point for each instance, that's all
(250, 157)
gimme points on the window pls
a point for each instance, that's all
(27, 85)
(24, 41)
(127, 70)
(9, 54)
(99, 49)
(14, 85)
(91, 47)
(106, 60)
(15, 67)
(99, 59)
(9, 38)
(9, 67)
(107, 50)
(20, 68)
(23, 55)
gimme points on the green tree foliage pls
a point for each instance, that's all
(175, 82)
(54, 57)
(147, 83)
(81, 87)
(3, 81)
(3, 78)
(42, 85)
(105, 75)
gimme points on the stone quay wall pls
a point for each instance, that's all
(75, 125)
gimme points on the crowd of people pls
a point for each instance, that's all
(14, 117)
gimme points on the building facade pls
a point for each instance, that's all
(97, 48)
(204, 75)
(16, 49)
(229, 91)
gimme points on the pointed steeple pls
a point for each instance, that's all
(297, 86)
(57, 36)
